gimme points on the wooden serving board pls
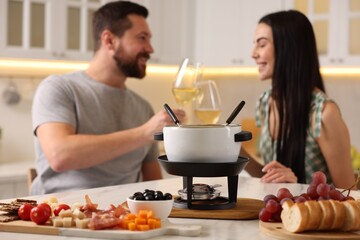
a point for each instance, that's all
(167, 228)
(277, 231)
(245, 209)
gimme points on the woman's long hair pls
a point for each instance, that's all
(296, 74)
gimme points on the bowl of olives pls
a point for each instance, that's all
(158, 202)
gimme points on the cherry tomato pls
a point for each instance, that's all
(24, 211)
(40, 214)
(60, 207)
(46, 206)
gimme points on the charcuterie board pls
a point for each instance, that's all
(167, 228)
(245, 209)
(277, 231)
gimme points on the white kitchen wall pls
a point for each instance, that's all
(16, 143)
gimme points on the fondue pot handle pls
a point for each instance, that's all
(159, 136)
(243, 136)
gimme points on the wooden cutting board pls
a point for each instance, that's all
(277, 231)
(245, 209)
(166, 229)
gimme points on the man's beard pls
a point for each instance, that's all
(130, 67)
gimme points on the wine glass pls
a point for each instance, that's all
(208, 103)
(184, 86)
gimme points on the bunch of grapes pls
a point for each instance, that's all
(317, 190)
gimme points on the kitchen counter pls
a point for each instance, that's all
(211, 229)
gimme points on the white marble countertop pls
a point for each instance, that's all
(211, 229)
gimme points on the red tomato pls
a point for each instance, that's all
(46, 206)
(60, 207)
(24, 211)
(40, 214)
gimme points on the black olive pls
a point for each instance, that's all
(167, 196)
(149, 197)
(151, 192)
(139, 197)
(159, 195)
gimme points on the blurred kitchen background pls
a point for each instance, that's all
(42, 37)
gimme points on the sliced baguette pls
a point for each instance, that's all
(322, 215)
(352, 216)
(355, 203)
(295, 218)
(327, 216)
(287, 204)
(315, 215)
(339, 214)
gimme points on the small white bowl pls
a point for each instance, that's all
(160, 208)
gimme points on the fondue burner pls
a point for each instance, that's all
(189, 195)
(212, 202)
(201, 191)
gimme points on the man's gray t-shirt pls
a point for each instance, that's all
(91, 108)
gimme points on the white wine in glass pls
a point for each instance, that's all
(184, 87)
(208, 103)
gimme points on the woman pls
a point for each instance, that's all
(302, 128)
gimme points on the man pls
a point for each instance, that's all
(91, 130)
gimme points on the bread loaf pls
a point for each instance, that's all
(321, 215)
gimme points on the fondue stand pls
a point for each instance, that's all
(220, 145)
(193, 169)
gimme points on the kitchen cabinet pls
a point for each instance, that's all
(13, 179)
(225, 30)
(13, 189)
(47, 29)
(337, 28)
(172, 25)
(217, 33)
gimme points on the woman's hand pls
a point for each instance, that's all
(275, 172)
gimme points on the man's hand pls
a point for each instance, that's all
(162, 119)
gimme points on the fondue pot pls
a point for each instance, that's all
(209, 143)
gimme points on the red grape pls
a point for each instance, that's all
(306, 196)
(264, 215)
(323, 190)
(276, 217)
(311, 191)
(284, 193)
(336, 195)
(270, 196)
(272, 206)
(318, 177)
(300, 199)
